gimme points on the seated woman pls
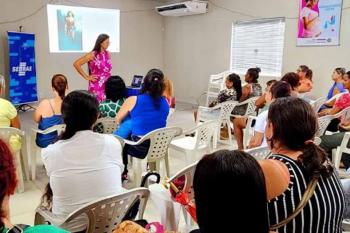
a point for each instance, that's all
(294, 81)
(8, 183)
(219, 207)
(8, 112)
(278, 90)
(252, 89)
(297, 167)
(148, 112)
(338, 86)
(169, 92)
(232, 92)
(115, 90)
(82, 166)
(48, 113)
(305, 76)
(261, 102)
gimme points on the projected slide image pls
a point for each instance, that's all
(75, 29)
(69, 30)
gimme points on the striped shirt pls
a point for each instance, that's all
(324, 211)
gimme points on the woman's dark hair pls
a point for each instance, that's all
(60, 83)
(309, 74)
(8, 178)
(340, 70)
(270, 82)
(254, 74)
(80, 111)
(304, 68)
(115, 88)
(237, 84)
(280, 89)
(294, 125)
(222, 181)
(348, 73)
(100, 39)
(153, 84)
(293, 79)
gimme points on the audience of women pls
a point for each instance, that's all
(8, 183)
(48, 113)
(298, 166)
(230, 194)
(148, 112)
(278, 90)
(252, 89)
(82, 166)
(8, 112)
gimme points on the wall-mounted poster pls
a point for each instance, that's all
(319, 22)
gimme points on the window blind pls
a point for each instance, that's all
(258, 43)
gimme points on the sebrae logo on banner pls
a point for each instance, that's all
(22, 69)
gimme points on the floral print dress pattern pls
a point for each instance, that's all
(100, 67)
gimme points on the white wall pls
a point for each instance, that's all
(141, 39)
(198, 46)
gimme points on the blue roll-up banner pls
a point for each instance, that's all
(23, 88)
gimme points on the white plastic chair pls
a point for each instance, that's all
(199, 144)
(160, 140)
(251, 115)
(103, 215)
(317, 104)
(109, 125)
(336, 97)
(35, 149)
(21, 156)
(188, 172)
(343, 148)
(215, 85)
(324, 121)
(224, 118)
(259, 153)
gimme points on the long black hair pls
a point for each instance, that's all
(293, 79)
(230, 182)
(253, 73)
(153, 84)
(100, 39)
(294, 125)
(237, 84)
(280, 89)
(115, 88)
(80, 111)
(60, 83)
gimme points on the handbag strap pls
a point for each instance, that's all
(305, 199)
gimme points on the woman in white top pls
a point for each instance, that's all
(311, 20)
(83, 166)
(277, 90)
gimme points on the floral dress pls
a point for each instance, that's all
(100, 67)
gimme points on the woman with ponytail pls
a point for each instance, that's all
(48, 113)
(82, 166)
(148, 112)
(298, 167)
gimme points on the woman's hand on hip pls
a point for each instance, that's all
(91, 78)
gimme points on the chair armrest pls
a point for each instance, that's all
(202, 108)
(47, 216)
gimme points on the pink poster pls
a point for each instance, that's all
(319, 22)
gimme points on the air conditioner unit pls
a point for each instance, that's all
(184, 8)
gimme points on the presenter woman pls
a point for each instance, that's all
(100, 66)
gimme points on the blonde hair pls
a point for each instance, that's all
(169, 89)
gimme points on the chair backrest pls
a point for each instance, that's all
(109, 125)
(7, 132)
(342, 149)
(259, 153)
(188, 172)
(323, 123)
(204, 133)
(104, 215)
(226, 109)
(160, 141)
(251, 108)
(317, 104)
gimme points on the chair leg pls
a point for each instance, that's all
(33, 162)
(167, 166)
(25, 159)
(137, 171)
(20, 187)
(229, 132)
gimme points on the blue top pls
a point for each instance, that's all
(43, 140)
(339, 86)
(148, 115)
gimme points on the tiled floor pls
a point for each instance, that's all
(23, 205)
